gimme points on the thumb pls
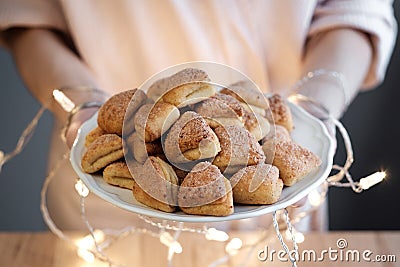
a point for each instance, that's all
(76, 122)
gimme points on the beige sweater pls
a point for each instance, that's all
(126, 41)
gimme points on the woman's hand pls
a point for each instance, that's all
(76, 122)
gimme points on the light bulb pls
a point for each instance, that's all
(314, 198)
(81, 188)
(233, 247)
(168, 240)
(298, 236)
(372, 179)
(86, 255)
(87, 242)
(176, 247)
(63, 100)
(216, 235)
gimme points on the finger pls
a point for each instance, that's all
(76, 122)
(299, 203)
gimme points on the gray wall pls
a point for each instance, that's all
(372, 122)
(22, 177)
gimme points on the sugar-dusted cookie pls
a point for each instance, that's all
(153, 120)
(118, 174)
(191, 138)
(205, 191)
(156, 184)
(294, 161)
(189, 93)
(103, 151)
(257, 184)
(111, 114)
(239, 148)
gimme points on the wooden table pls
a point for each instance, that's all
(44, 249)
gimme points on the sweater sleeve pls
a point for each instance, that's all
(31, 13)
(374, 17)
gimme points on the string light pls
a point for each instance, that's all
(90, 252)
(85, 255)
(88, 247)
(284, 217)
(1, 159)
(216, 235)
(23, 140)
(88, 243)
(63, 100)
(167, 240)
(371, 180)
(233, 246)
(298, 236)
(314, 197)
(81, 188)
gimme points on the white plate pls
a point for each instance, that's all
(309, 132)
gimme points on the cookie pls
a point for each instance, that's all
(156, 184)
(257, 184)
(238, 149)
(294, 161)
(256, 124)
(103, 151)
(93, 135)
(280, 112)
(111, 114)
(205, 191)
(118, 174)
(191, 138)
(220, 110)
(158, 88)
(189, 93)
(141, 150)
(249, 95)
(153, 120)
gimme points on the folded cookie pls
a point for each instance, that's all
(257, 184)
(279, 112)
(93, 135)
(111, 114)
(275, 135)
(103, 151)
(158, 88)
(191, 138)
(239, 148)
(205, 191)
(141, 150)
(153, 120)
(189, 93)
(249, 94)
(118, 174)
(180, 173)
(294, 161)
(156, 185)
(220, 110)
(256, 124)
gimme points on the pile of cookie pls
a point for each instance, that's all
(197, 146)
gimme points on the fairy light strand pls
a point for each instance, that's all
(23, 140)
(93, 244)
(97, 251)
(280, 237)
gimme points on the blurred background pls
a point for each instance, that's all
(371, 121)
